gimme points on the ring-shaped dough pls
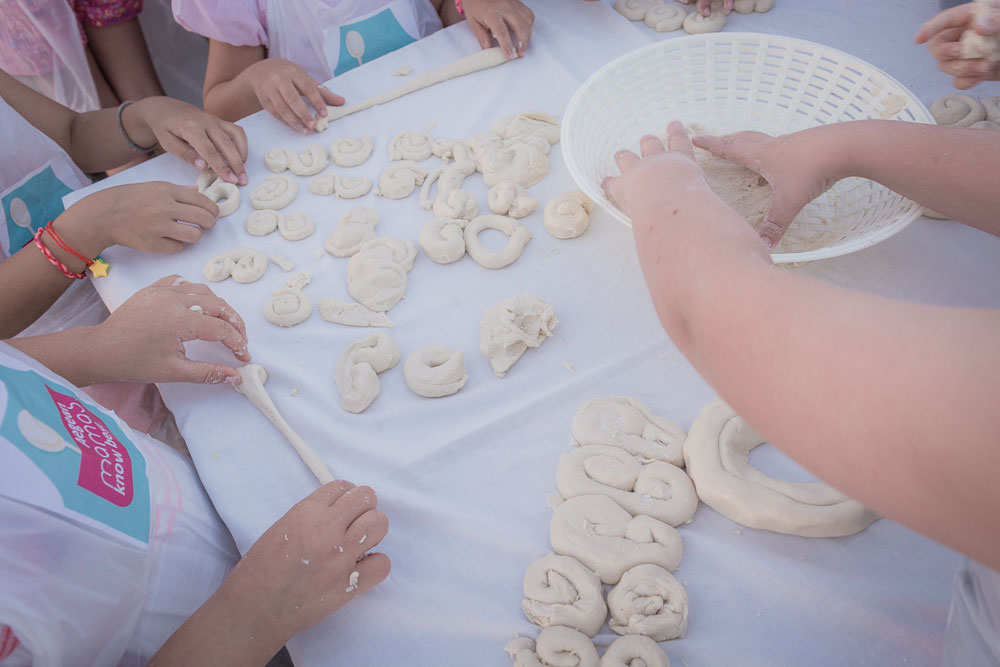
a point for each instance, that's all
(287, 307)
(275, 193)
(355, 228)
(311, 161)
(216, 189)
(400, 179)
(509, 328)
(518, 238)
(261, 223)
(622, 421)
(633, 650)
(296, 226)
(356, 375)
(434, 371)
(696, 24)
(243, 264)
(634, 10)
(649, 601)
(567, 215)
(350, 151)
(413, 145)
(560, 590)
(667, 18)
(456, 204)
(510, 199)
(534, 123)
(717, 453)
(957, 110)
(443, 239)
(557, 646)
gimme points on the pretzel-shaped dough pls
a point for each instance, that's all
(518, 238)
(649, 601)
(607, 539)
(355, 228)
(357, 370)
(510, 199)
(216, 189)
(376, 274)
(243, 264)
(262, 223)
(696, 24)
(522, 162)
(560, 590)
(434, 371)
(632, 650)
(400, 179)
(351, 314)
(296, 226)
(509, 328)
(456, 204)
(275, 193)
(622, 421)
(443, 239)
(634, 10)
(287, 307)
(667, 18)
(557, 646)
(535, 123)
(350, 152)
(957, 110)
(567, 215)
(311, 161)
(413, 145)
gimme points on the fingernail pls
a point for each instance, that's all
(200, 164)
(243, 179)
(230, 176)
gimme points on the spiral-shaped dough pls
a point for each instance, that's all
(957, 110)
(567, 215)
(312, 161)
(434, 371)
(243, 264)
(324, 184)
(534, 123)
(376, 275)
(296, 226)
(216, 189)
(355, 228)
(509, 328)
(634, 10)
(649, 601)
(443, 239)
(456, 204)
(634, 651)
(351, 314)
(517, 234)
(352, 187)
(356, 375)
(607, 539)
(667, 18)
(413, 145)
(557, 646)
(261, 223)
(622, 421)
(287, 307)
(275, 193)
(696, 24)
(518, 161)
(510, 199)
(350, 151)
(560, 590)
(400, 179)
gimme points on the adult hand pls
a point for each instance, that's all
(509, 22)
(943, 33)
(280, 85)
(705, 6)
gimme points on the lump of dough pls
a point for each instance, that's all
(568, 215)
(355, 228)
(216, 189)
(622, 421)
(261, 223)
(560, 590)
(400, 179)
(479, 143)
(535, 123)
(557, 646)
(277, 192)
(648, 600)
(634, 10)
(975, 45)
(287, 307)
(299, 280)
(510, 199)
(456, 204)
(634, 650)
(351, 314)
(443, 239)
(444, 148)
(350, 152)
(243, 264)
(518, 237)
(509, 328)
(696, 24)
(356, 375)
(283, 262)
(296, 226)
(312, 161)
(376, 274)
(434, 371)
(743, 190)
(518, 161)
(414, 145)
(957, 110)
(667, 18)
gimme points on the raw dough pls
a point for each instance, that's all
(456, 204)
(655, 488)
(277, 192)
(557, 646)
(608, 540)
(634, 651)
(519, 161)
(434, 371)
(567, 215)
(535, 123)
(216, 189)
(444, 148)
(254, 376)
(717, 453)
(405, 70)
(449, 177)
(985, 125)
(350, 152)
(296, 226)
(312, 161)
(299, 280)
(649, 601)
(980, 46)
(345, 187)
(518, 238)
(357, 370)
(743, 190)
(992, 106)
(288, 307)
(696, 24)
(622, 421)
(512, 326)
(957, 110)
(400, 179)
(376, 274)
(355, 228)
(560, 590)
(261, 223)
(479, 143)
(667, 18)
(413, 145)
(510, 199)
(283, 262)
(41, 435)
(443, 239)
(351, 314)
(243, 264)
(635, 10)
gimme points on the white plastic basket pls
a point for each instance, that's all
(745, 81)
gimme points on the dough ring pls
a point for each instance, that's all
(509, 328)
(376, 274)
(957, 110)
(350, 152)
(216, 189)
(351, 314)
(275, 193)
(534, 123)
(357, 370)
(568, 215)
(607, 539)
(518, 161)
(557, 646)
(243, 264)
(717, 450)
(443, 239)
(456, 204)
(518, 238)
(634, 10)
(434, 371)
(560, 590)
(696, 24)
(288, 307)
(656, 489)
(400, 179)
(355, 228)
(667, 18)
(414, 145)
(649, 601)
(622, 421)
(510, 199)
(261, 223)
(311, 161)
(296, 226)
(634, 650)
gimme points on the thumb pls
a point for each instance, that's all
(777, 219)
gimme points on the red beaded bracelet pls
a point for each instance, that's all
(458, 6)
(53, 259)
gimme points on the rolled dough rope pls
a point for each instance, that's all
(350, 152)
(434, 371)
(296, 226)
(533, 123)
(634, 650)
(717, 453)
(509, 328)
(510, 199)
(980, 46)
(607, 539)
(287, 307)
(992, 106)
(351, 314)
(519, 161)
(649, 601)
(443, 239)
(667, 18)
(567, 215)
(557, 646)
(355, 228)
(655, 488)
(413, 145)
(456, 204)
(283, 262)
(277, 192)
(357, 370)
(518, 237)
(261, 223)
(478, 61)
(449, 177)
(254, 376)
(243, 264)
(622, 421)
(696, 24)
(400, 179)
(957, 110)
(560, 590)
(376, 274)
(311, 161)
(216, 189)
(634, 10)
(744, 6)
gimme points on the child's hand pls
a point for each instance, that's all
(705, 6)
(942, 34)
(507, 21)
(280, 85)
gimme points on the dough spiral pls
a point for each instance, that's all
(413, 145)
(449, 177)
(556, 647)
(510, 199)
(400, 179)
(216, 189)
(696, 24)
(356, 375)
(287, 307)
(351, 151)
(296, 226)
(649, 601)
(443, 239)
(957, 110)
(243, 264)
(345, 187)
(560, 590)
(434, 371)
(518, 237)
(666, 18)
(376, 274)
(311, 161)
(261, 223)
(567, 215)
(634, 10)
(275, 193)
(456, 204)
(355, 228)
(622, 421)
(634, 651)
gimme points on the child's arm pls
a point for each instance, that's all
(893, 403)
(308, 565)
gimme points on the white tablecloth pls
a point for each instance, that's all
(463, 479)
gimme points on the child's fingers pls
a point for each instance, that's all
(183, 232)
(217, 307)
(989, 23)
(293, 98)
(650, 145)
(214, 330)
(502, 35)
(372, 570)
(735, 147)
(330, 493)
(208, 152)
(956, 17)
(367, 530)
(625, 159)
(182, 149)
(279, 109)
(205, 372)
(521, 26)
(351, 505)
(331, 97)
(194, 215)
(677, 139)
(192, 197)
(482, 33)
(309, 88)
(230, 153)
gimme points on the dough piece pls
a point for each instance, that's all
(312, 161)
(261, 223)
(376, 275)
(443, 239)
(568, 215)
(400, 179)
(296, 226)
(277, 192)
(405, 70)
(764, 6)
(745, 191)
(634, 10)
(324, 184)
(40, 435)
(510, 199)
(557, 646)
(518, 161)
(518, 238)
(634, 651)
(717, 453)
(299, 280)
(696, 24)
(434, 371)
(444, 148)
(744, 6)
(243, 264)
(355, 228)
(560, 590)
(534, 123)
(622, 421)
(449, 177)
(357, 370)
(479, 143)
(351, 314)
(656, 489)
(288, 307)
(352, 187)
(985, 125)
(350, 152)
(957, 110)
(608, 540)
(254, 376)
(479, 60)
(649, 601)
(216, 189)
(975, 45)
(667, 18)
(413, 145)
(456, 204)
(283, 262)
(512, 326)
(992, 106)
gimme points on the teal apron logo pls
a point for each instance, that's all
(32, 205)
(368, 39)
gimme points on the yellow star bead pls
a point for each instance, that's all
(99, 268)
